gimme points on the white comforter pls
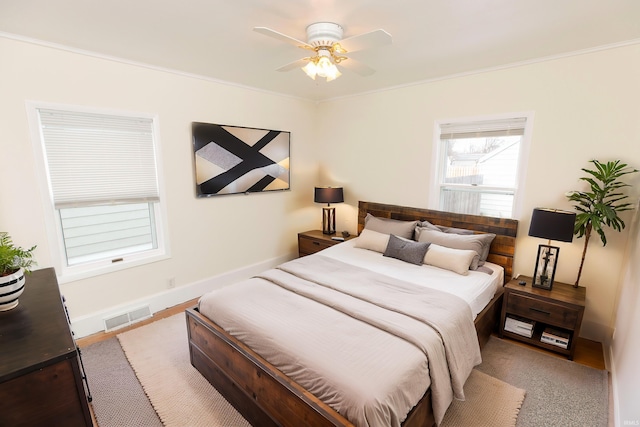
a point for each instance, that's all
(367, 344)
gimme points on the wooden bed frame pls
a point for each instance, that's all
(267, 397)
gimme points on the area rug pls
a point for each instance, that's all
(488, 403)
(559, 392)
(159, 355)
(118, 397)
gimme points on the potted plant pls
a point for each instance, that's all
(599, 207)
(14, 263)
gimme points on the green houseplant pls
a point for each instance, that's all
(599, 207)
(14, 263)
(12, 257)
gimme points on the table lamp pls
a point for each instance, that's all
(551, 224)
(328, 195)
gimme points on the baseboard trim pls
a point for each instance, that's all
(614, 389)
(92, 323)
(596, 332)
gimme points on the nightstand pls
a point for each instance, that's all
(314, 241)
(559, 309)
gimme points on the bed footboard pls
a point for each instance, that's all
(259, 391)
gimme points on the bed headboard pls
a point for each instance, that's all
(502, 249)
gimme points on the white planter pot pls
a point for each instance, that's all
(11, 287)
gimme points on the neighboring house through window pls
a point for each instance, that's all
(102, 188)
(479, 164)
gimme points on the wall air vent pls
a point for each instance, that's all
(120, 320)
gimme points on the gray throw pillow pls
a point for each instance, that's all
(454, 230)
(406, 250)
(481, 243)
(485, 239)
(390, 226)
(429, 226)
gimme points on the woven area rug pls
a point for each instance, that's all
(158, 353)
(118, 397)
(489, 403)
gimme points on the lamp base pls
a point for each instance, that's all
(545, 269)
(329, 220)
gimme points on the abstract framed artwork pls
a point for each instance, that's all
(232, 160)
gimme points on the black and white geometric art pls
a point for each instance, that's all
(230, 159)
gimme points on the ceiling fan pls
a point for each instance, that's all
(325, 40)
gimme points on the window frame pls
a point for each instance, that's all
(52, 219)
(438, 150)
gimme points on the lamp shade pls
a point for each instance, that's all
(552, 224)
(328, 195)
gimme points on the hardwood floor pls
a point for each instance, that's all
(101, 336)
(588, 353)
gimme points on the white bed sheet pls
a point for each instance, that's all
(476, 288)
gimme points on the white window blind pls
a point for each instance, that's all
(483, 129)
(98, 159)
(101, 175)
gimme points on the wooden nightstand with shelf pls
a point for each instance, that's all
(560, 308)
(310, 242)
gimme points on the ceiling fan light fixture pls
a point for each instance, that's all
(333, 74)
(310, 69)
(322, 65)
(327, 69)
(326, 40)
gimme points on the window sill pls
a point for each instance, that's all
(72, 274)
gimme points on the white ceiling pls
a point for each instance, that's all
(432, 39)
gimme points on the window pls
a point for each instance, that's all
(479, 164)
(102, 187)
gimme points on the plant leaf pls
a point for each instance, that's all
(599, 208)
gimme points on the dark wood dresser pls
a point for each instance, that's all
(40, 376)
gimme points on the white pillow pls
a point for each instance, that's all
(372, 240)
(456, 260)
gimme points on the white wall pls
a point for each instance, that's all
(209, 236)
(379, 146)
(625, 346)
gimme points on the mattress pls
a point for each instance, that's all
(476, 288)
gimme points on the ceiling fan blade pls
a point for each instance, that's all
(282, 37)
(293, 65)
(368, 40)
(357, 67)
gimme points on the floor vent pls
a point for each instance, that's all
(121, 320)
